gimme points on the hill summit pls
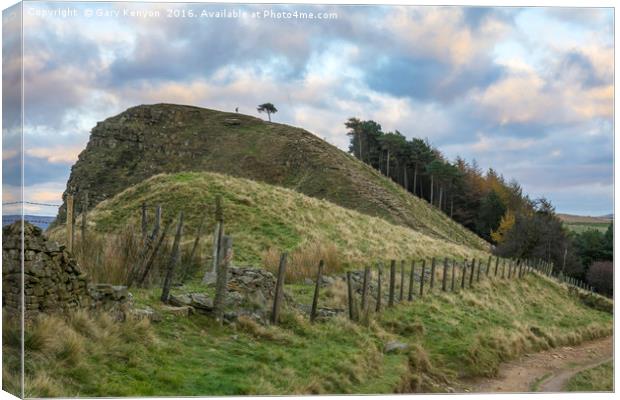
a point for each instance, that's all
(147, 140)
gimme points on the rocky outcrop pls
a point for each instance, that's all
(51, 277)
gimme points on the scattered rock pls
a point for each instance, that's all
(395, 347)
(145, 313)
(182, 311)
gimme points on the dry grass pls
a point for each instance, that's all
(57, 347)
(303, 262)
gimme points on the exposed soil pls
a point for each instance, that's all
(547, 371)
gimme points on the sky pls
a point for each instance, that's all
(526, 91)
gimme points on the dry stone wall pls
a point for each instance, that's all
(53, 281)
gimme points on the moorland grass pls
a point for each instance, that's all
(451, 336)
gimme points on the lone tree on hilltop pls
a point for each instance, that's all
(268, 108)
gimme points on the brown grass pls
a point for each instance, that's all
(303, 262)
(56, 348)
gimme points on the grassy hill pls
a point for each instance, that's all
(163, 138)
(263, 217)
(451, 338)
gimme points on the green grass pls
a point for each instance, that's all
(535, 386)
(597, 379)
(451, 336)
(261, 217)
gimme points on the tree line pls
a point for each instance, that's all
(483, 201)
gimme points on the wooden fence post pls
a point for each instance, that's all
(402, 280)
(410, 297)
(503, 269)
(174, 259)
(432, 285)
(379, 284)
(496, 264)
(150, 259)
(69, 223)
(315, 298)
(471, 276)
(392, 282)
(510, 264)
(84, 219)
(221, 283)
(464, 274)
(144, 222)
(445, 275)
(489, 265)
(479, 268)
(365, 283)
(277, 298)
(422, 278)
(453, 274)
(350, 295)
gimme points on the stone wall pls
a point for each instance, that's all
(52, 279)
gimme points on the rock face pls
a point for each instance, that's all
(52, 279)
(165, 138)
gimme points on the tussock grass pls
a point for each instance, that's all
(262, 218)
(469, 333)
(66, 351)
(303, 262)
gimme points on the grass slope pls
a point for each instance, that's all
(147, 140)
(262, 217)
(597, 379)
(452, 337)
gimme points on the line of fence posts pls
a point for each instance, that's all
(516, 269)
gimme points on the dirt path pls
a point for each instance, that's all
(547, 371)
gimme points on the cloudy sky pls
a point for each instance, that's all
(527, 91)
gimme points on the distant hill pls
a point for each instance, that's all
(569, 218)
(580, 223)
(38, 220)
(143, 141)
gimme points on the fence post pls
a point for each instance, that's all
(422, 278)
(503, 269)
(489, 264)
(174, 259)
(150, 259)
(510, 264)
(445, 274)
(471, 276)
(69, 222)
(221, 283)
(365, 282)
(496, 264)
(432, 274)
(84, 220)
(350, 295)
(453, 274)
(192, 254)
(479, 268)
(464, 274)
(379, 284)
(144, 222)
(392, 282)
(410, 297)
(277, 298)
(402, 280)
(315, 298)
